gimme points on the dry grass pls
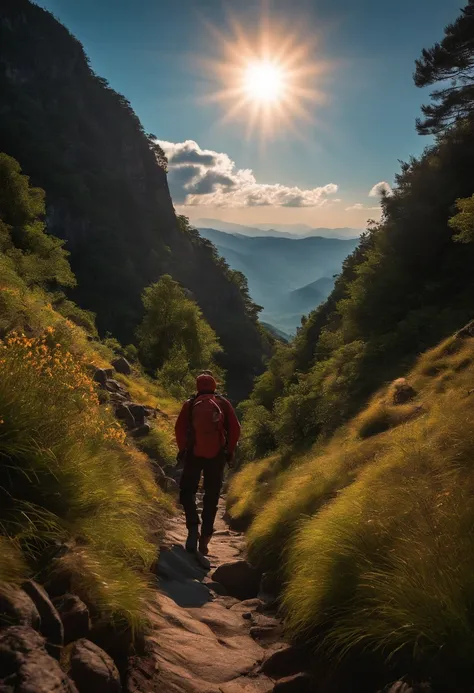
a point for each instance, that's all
(373, 535)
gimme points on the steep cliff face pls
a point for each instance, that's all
(107, 194)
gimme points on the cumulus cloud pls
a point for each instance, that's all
(380, 189)
(204, 177)
(359, 206)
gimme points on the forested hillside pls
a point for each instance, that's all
(107, 193)
(357, 478)
(408, 284)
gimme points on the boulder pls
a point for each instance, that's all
(100, 376)
(300, 683)
(139, 413)
(74, 615)
(26, 667)
(113, 385)
(239, 578)
(51, 624)
(17, 608)
(109, 372)
(402, 391)
(123, 413)
(287, 661)
(141, 431)
(122, 366)
(248, 605)
(92, 670)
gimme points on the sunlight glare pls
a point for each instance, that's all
(271, 77)
(264, 81)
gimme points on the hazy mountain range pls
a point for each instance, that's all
(288, 276)
(277, 230)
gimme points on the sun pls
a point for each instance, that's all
(270, 77)
(264, 81)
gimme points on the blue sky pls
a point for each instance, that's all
(152, 52)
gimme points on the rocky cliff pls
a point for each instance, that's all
(106, 188)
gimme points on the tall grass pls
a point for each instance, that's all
(373, 535)
(67, 475)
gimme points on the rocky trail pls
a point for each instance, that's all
(213, 631)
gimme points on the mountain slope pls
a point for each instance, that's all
(278, 269)
(278, 230)
(107, 194)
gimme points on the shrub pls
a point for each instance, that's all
(67, 475)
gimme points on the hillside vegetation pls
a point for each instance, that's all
(78, 499)
(107, 192)
(357, 478)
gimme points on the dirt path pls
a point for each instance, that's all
(203, 642)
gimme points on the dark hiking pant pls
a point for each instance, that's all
(213, 474)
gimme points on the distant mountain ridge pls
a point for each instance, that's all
(287, 276)
(291, 231)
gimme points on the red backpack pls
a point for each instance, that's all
(207, 421)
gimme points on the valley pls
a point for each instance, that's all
(287, 276)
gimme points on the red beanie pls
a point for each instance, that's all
(205, 383)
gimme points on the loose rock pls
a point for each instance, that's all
(121, 365)
(240, 579)
(100, 376)
(287, 661)
(92, 670)
(17, 609)
(123, 413)
(139, 413)
(26, 667)
(74, 615)
(51, 625)
(141, 431)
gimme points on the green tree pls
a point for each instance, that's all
(463, 221)
(450, 63)
(37, 257)
(174, 339)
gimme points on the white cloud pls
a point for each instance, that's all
(359, 206)
(381, 189)
(204, 177)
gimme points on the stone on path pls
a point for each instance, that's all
(286, 661)
(17, 608)
(240, 579)
(92, 670)
(26, 667)
(199, 642)
(74, 615)
(51, 625)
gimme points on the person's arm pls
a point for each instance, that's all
(181, 427)
(233, 428)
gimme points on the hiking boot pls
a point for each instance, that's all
(204, 545)
(192, 540)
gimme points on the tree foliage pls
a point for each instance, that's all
(450, 61)
(174, 339)
(37, 257)
(463, 221)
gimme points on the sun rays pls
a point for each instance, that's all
(268, 78)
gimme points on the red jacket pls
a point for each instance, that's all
(232, 425)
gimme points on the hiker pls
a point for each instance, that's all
(207, 432)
